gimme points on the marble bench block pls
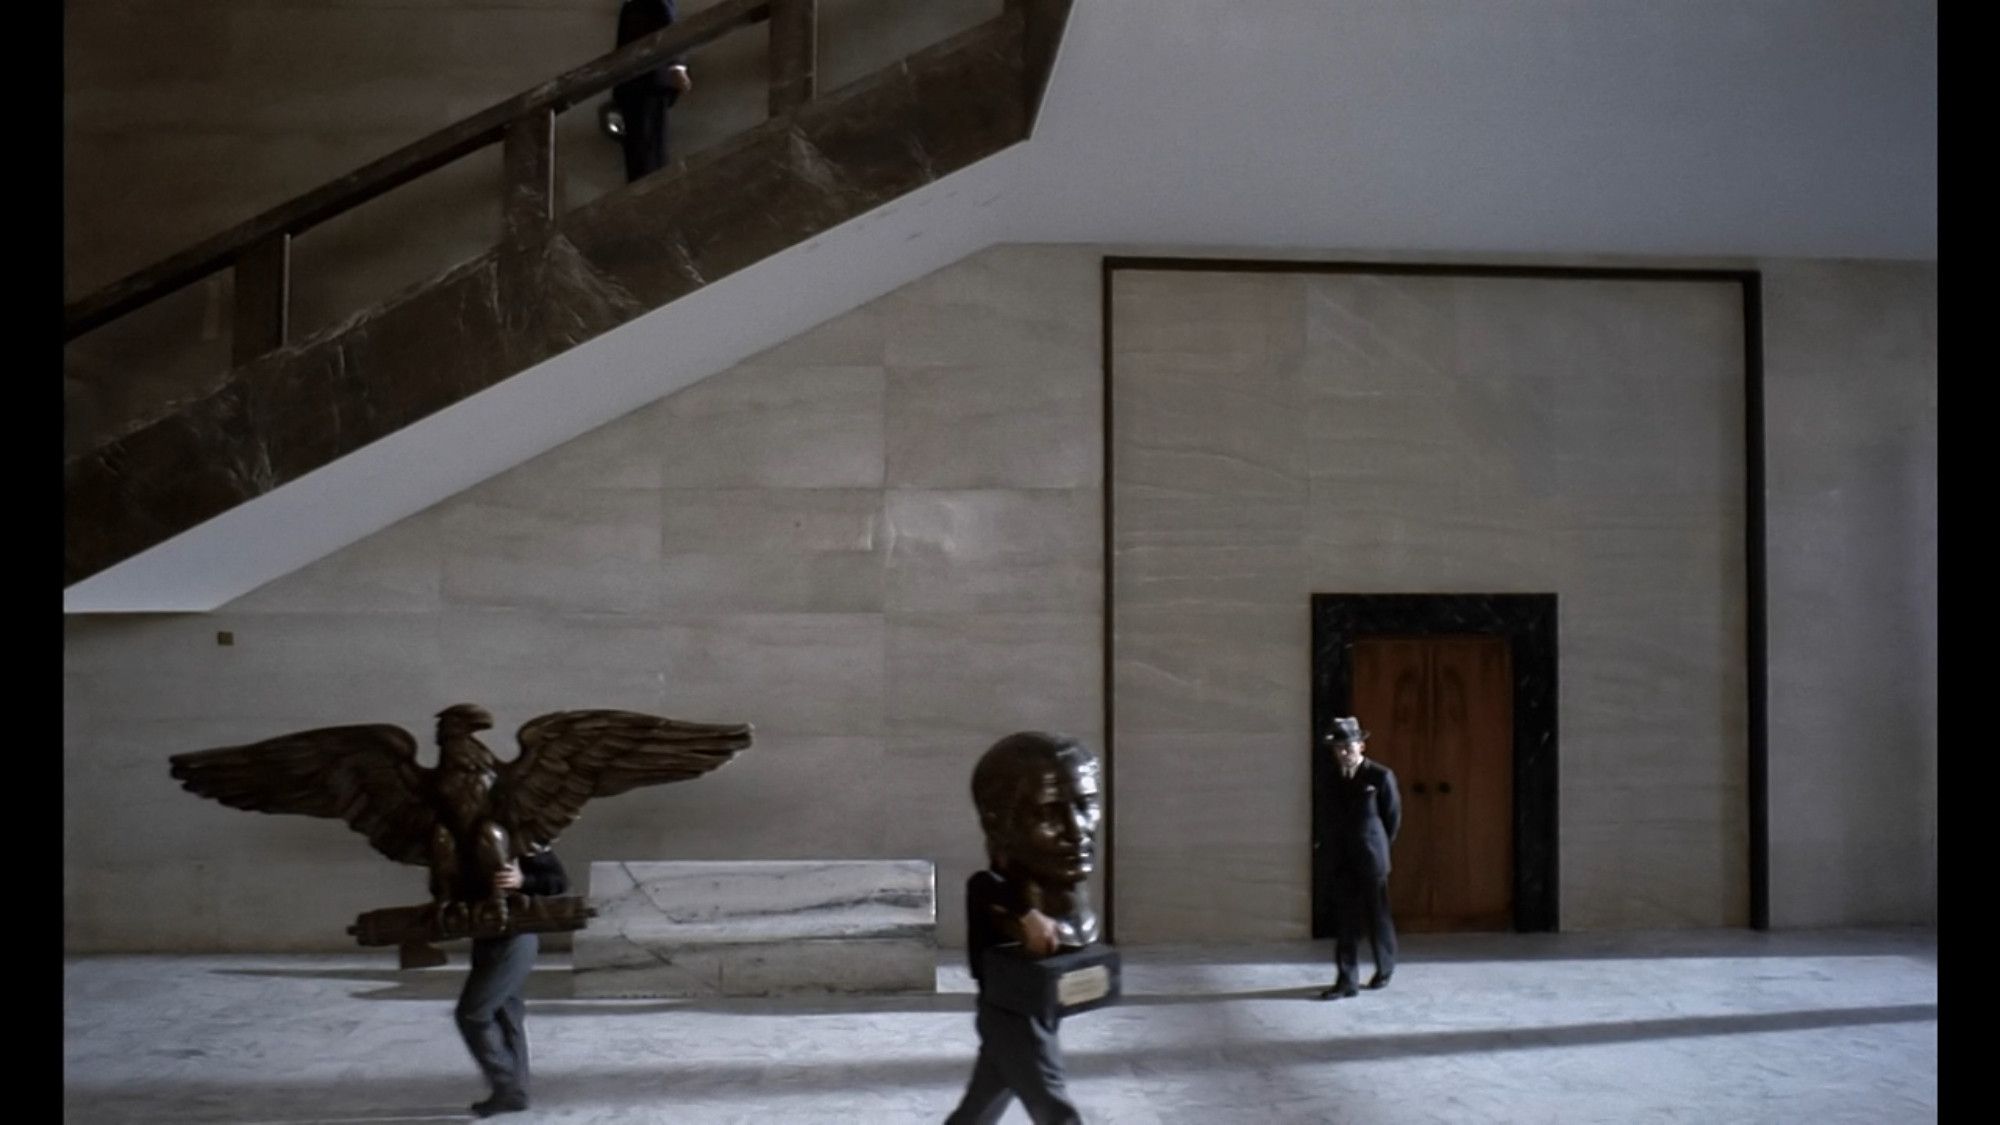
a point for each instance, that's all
(759, 928)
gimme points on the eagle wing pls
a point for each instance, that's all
(365, 775)
(568, 757)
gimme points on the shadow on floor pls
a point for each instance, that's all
(429, 1099)
(553, 992)
(1673, 944)
(1146, 999)
(1414, 948)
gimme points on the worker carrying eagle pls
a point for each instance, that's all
(472, 814)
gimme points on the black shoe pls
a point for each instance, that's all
(499, 1104)
(1341, 988)
(1380, 980)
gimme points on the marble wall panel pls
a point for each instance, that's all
(1852, 401)
(738, 551)
(1450, 436)
(989, 426)
(731, 554)
(994, 550)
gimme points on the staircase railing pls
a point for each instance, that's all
(259, 249)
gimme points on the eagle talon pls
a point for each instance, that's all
(418, 954)
(433, 920)
(492, 914)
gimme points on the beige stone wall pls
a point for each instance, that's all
(880, 542)
(1289, 434)
(1852, 398)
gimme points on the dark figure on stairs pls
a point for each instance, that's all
(643, 100)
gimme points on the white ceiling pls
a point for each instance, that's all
(1804, 128)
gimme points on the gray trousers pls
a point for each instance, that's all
(491, 1014)
(1018, 1057)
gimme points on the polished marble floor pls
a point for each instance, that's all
(1713, 1027)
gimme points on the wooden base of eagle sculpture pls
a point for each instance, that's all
(469, 816)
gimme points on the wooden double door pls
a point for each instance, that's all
(1440, 712)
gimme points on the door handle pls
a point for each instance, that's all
(1444, 786)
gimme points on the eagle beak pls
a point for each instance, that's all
(729, 736)
(467, 716)
(738, 733)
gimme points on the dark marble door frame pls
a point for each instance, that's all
(1528, 621)
(1749, 283)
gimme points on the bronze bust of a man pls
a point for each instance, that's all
(1031, 934)
(1039, 804)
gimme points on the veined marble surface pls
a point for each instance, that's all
(1725, 1027)
(734, 901)
(758, 928)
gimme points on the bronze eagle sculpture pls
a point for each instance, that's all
(472, 814)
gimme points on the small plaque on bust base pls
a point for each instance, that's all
(1061, 984)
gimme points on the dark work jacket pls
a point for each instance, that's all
(541, 874)
(636, 20)
(1362, 815)
(988, 895)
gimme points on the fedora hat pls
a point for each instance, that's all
(1345, 729)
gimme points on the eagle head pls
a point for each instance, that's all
(462, 719)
